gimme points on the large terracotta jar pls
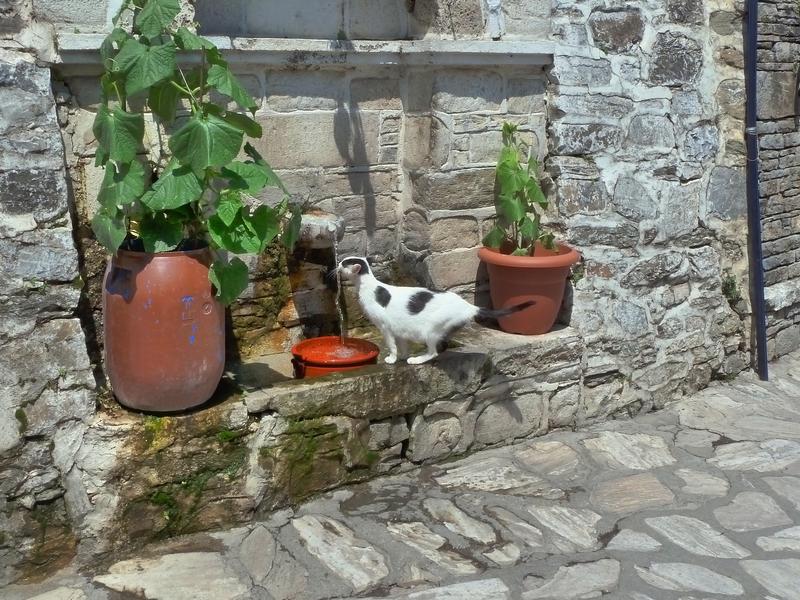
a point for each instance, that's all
(164, 331)
(517, 279)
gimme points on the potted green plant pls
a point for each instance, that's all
(171, 217)
(523, 259)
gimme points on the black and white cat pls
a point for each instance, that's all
(412, 314)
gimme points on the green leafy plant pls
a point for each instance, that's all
(518, 200)
(194, 192)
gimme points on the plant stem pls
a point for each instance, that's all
(195, 103)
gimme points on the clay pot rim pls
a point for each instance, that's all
(566, 257)
(136, 253)
(304, 351)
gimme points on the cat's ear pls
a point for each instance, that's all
(355, 268)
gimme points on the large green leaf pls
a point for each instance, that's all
(229, 278)
(245, 123)
(246, 176)
(272, 178)
(177, 186)
(221, 78)
(112, 44)
(122, 184)
(495, 237)
(291, 231)
(145, 65)
(265, 223)
(206, 141)
(529, 228)
(228, 207)
(160, 232)
(191, 41)
(156, 16)
(119, 135)
(163, 100)
(511, 207)
(109, 229)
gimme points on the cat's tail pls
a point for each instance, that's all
(485, 314)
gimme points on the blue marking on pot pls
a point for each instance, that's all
(148, 303)
(193, 336)
(191, 340)
(187, 299)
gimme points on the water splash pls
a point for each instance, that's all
(339, 294)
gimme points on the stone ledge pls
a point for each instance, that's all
(483, 356)
(82, 50)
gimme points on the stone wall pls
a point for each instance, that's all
(47, 395)
(646, 149)
(779, 141)
(639, 122)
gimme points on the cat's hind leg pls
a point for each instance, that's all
(402, 348)
(432, 352)
(391, 347)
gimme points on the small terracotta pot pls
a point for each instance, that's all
(517, 279)
(164, 331)
(325, 355)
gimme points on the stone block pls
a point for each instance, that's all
(598, 106)
(316, 19)
(680, 211)
(11, 18)
(513, 418)
(528, 19)
(378, 20)
(676, 59)
(427, 142)
(609, 231)
(221, 18)
(776, 93)
(724, 22)
(665, 268)
(375, 94)
(455, 19)
(395, 390)
(454, 190)
(41, 194)
(730, 96)
(726, 196)
(288, 91)
(526, 96)
(320, 139)
(433, 437)
(572, 167)
(581, 196)
(468, 91)
(616, 32)
(450, 269)
(633, 201)
(441, 235)
(651, 133)
(579, 71)
(41, 255)
(580, 138)
(685, 12)
(90, 13)
(702, 142)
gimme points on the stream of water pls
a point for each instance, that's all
(339, 298)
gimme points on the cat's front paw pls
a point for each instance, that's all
(418, 360)
(390, 360)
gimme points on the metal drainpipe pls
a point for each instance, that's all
(753, 200)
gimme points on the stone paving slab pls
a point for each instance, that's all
(700, 500)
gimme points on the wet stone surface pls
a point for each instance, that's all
(699, 500)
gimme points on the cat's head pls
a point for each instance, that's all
(354, 267)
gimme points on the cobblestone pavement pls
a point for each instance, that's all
(698, 501)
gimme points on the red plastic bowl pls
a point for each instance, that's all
(325, 355)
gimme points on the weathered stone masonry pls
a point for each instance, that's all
(636, 109)
(779, 140)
